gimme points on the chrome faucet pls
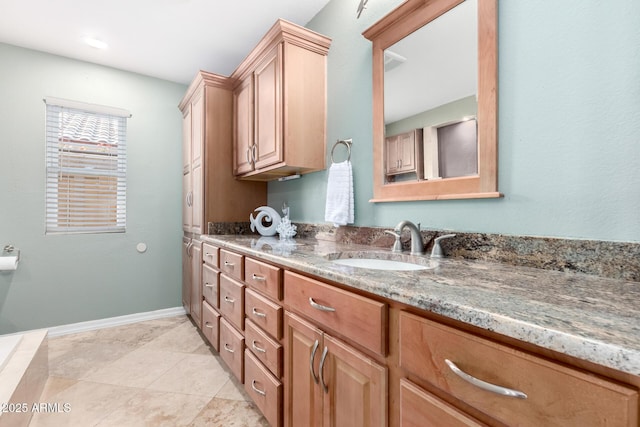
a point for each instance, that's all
(417, 246)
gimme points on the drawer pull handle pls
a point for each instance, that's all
(483, 384)
(321, 369)
(313, 356)
(320, 306)
(255, 277)
(256, 389)
(208, 254)
(229, 349)
(255, 312)
(229, 300)
(229, 264)
(208, 325)
(208, 285)
(256, 348)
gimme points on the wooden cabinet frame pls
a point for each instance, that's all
(280, 105)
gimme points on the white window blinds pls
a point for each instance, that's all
(86, 167)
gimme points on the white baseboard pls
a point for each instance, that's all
(91, 325)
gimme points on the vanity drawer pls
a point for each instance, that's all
(232, 301)
(264, 278)
(211, 325)
(419, 408)
(231, 264)
(264, 389)
(232, 348)
(210, 255)
(264, 347)
(263, 312)
(210, 283)
(357, 318)
(556, 395)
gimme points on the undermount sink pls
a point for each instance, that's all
(382, 261)
(379, 264)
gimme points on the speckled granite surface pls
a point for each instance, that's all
(615, 260)
(585, 316)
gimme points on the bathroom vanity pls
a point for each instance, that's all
(458, 343)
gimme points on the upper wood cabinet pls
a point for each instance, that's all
(404, 154)
(280, 105)
(210, 191)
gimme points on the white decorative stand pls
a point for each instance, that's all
(265, 213)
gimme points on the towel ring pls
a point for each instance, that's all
(347, 143)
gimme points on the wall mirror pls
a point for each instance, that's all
(435, 101)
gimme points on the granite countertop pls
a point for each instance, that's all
(588, 317)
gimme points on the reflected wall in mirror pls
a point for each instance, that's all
(435, 101)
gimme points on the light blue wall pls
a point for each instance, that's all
(71, 278)
(569, 124)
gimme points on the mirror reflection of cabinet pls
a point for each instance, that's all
(404, 155)
(472, 95)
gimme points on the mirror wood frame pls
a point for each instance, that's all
(399, 23)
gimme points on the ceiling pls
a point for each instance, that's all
(168, 39)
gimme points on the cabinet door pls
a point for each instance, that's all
(186, 170)
(196, 283)
(303, 396)
(232, 348)
(197, 147)
(211, 325)
(392, 160)
(419, 408)
(268, 109)
(243, 127)
(232, 301)
(186, 274)
(210, 285)
(549, 393)
(406, 152)
(264, 389)
(355, 387)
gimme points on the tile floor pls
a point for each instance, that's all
(154, 373)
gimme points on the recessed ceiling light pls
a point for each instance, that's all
(93, 42)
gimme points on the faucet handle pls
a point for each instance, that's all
(397, 246)
(436, 252)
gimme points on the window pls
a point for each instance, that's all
(86, 167)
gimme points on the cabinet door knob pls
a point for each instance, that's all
(256, 348)
(257, 390)
(504, 391)
(320, 306)
(321, 369)
(311, 359)
(255, 312)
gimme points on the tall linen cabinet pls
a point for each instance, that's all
(210, 192)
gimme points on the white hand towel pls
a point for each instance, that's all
(339, 207)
